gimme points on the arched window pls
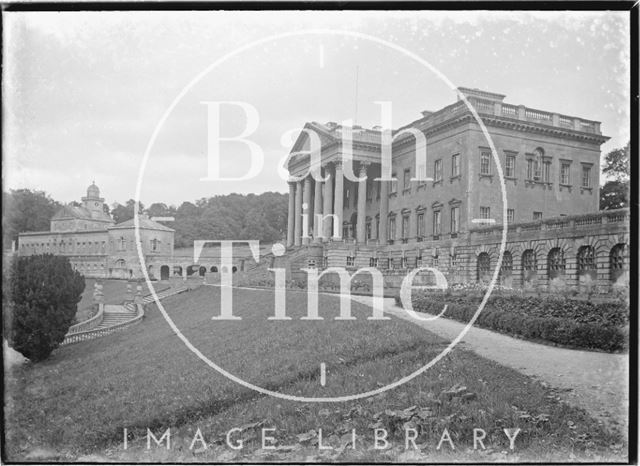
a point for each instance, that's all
(214, 269)
(121, 263)
(586, 260)
(484, 267)
(506, 269)
(616, 262)
(529, 265)
(555, 263)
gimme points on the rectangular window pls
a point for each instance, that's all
(546, 172)
(392, 228)
(368, 227)
(437, 226)
(437, 170)
(455, 219)
(537, 215)
(394, 183)
(565, 171)
(350, 261)
(511, 215)
(420, 226)
(369, 188)
(510, 166)
(485, 163)
(406, 182)
(405, 226)
(530, 169)
(455, 165)
(485, 213)
(378, 188)
(586, 176)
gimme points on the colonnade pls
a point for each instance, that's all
(316, 207)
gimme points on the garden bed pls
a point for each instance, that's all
(559, 320)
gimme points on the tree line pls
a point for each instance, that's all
(232, 216)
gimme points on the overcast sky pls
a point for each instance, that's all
(84, 92)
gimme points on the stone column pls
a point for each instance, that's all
(297, 237)
(361, 234)
(291, 213)
(327, 207)
(306, 201)
(384, 212)
(317, 209)
(338, 201)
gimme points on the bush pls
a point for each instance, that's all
(43, 299)
(564, 321)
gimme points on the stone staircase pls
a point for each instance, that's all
(117, 317)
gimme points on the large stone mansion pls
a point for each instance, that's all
(453, 219)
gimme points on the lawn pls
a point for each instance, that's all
(81, 399)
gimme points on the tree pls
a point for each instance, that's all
(44, 296)
(122, 213)
(25, 210)
(615, 192)
(158, 209)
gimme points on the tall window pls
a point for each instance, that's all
(510, 166)
(122, 244)
(511, 215)
(586, 259)
(154, 244)
(555, 263)
(378, 226)
(485, 213)
(616, 262)
(394, 183)
(455, 219)
(538, 155)
(392, 228)
(369, 188)
(368, 227)
(531, 169)
(565, 170)
(437, 226)
(484, 267)
(406, 183)
(420, 228)
(347, 196)
(405, 226)
(586, 176)
(455, 165)
(529, 261)
(437, 170)
(537, 215)
(546, 171)
(485, 163)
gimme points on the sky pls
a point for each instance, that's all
(84, 92)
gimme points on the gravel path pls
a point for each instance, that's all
(597, 382)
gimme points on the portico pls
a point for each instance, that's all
(322, 194)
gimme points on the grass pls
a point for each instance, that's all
(80, 400)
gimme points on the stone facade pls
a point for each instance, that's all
(435, 214)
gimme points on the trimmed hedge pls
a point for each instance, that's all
(579, 324)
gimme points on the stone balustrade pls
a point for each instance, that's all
(517, 112)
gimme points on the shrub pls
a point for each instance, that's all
(44, 295)
(560, 320)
